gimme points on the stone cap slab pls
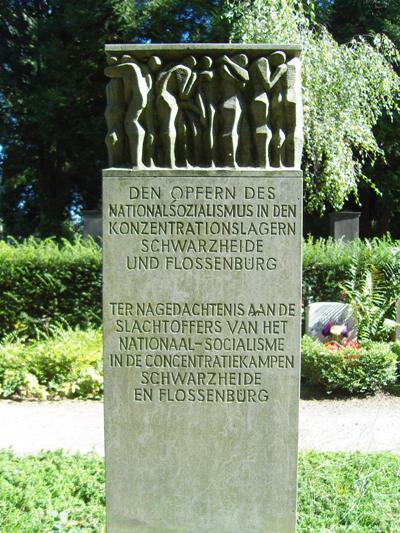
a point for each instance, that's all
(176, 49)
(201, 172)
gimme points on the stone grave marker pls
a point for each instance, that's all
(92, 223)
(202, 225)
(345, 225)
(319, 314)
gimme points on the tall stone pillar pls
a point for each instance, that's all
(202, 225)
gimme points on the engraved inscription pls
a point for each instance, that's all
(220, 228)
(203, 351)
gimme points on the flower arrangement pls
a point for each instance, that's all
(339, 337)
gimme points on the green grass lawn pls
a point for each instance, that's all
(349, 493)
(338, 492)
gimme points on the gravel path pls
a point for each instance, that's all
(368, 425)
(28, 427)
(371, 424)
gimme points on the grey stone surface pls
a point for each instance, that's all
(182, 106)
(345, 225)
(319, 314)
(73, 425)
(194, 173)
(201, 350)
(175, 50)
(397, 331)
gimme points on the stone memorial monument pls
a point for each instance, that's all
(202, 225)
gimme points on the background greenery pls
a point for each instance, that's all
(338, 80)
(328, 264)
(347, 19)
(52, 96)
(338, 493)
(45, 283)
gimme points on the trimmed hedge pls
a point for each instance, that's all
(365, 370)
(44, 283)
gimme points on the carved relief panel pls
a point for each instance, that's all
(209, 106)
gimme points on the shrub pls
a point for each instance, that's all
(43, 283)
(66, 365)
(328, 265)
(364, 370)
(396, 349)
(373, 292)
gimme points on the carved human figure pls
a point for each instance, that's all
(114, 115)
(233, 76)
(262, 82)
(190, 121)
(137, 82)
(149, 146)
(277, 112)
(208, 96)
(292, 116)
(174, 88)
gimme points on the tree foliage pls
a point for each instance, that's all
(346, 19)
(52, 101)
(346, 89)
(52, 96)
(52, 92)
